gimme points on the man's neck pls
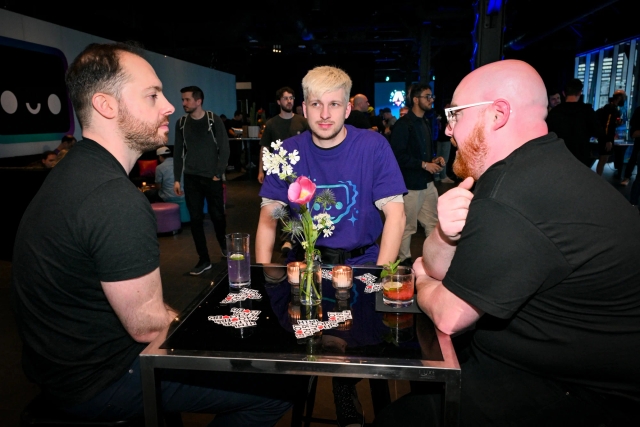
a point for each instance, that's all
(197, 114)
(572, 98)
(418, 111)
(286, 115)
(113, 142)
(330, 143)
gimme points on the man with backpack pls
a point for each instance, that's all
(202, 142)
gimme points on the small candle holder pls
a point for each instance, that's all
(293, 275)
(342, 280)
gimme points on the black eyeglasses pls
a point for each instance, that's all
(427, 96)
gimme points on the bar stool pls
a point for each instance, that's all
(167, 217)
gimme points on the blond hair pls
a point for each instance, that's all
(323, 79)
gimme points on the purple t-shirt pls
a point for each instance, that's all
(359, 171)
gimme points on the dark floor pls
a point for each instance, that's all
(177, 258)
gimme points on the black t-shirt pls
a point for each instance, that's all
(278, 128)
(87, 224)
(551, 253)
(358, 119)
(575, 123)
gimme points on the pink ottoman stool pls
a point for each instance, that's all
(167, 217)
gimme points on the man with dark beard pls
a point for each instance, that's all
(86, 286)
(201, 141)
(280, 127)
(532, 267)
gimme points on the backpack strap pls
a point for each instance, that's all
(183, 121)
(215, 141)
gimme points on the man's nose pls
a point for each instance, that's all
(448, 131)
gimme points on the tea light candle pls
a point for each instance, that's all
(293, 271)
(342, 277)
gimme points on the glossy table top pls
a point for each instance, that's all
(371, 337)
(373, 344)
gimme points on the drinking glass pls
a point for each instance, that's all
(397, 288)
(238, 259)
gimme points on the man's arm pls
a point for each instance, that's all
(440, 246)
(266, 234)
(260, 165)
(178, 160)
(449, 313)
(394, 223)
(139, 306)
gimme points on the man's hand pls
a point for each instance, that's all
(176, 188)
(418, 267)
(453, 207)
(215, 178)
(440, 161)
(431, 167)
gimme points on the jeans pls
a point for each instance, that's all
(236, 399)
(633, 159)
(196, 189)
(443, 150)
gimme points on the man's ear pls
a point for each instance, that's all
(105, 105)
(346, 115)
(501, 112)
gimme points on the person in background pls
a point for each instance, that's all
(575, 123)
(285, 125)
(634, 132)
(67, 142)
(403, 111)
(539, 273)
(234, 130)
(415, 152)
(609, 118)
(554, 100)
(86, 287)
(202, 142)
(388, 121)
(359, 116)
(162, 190)
(48, 159)
(443, 145)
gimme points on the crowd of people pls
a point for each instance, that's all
(532, 258)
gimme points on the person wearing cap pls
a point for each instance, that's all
(165, 178)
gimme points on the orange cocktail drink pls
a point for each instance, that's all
(398, 288)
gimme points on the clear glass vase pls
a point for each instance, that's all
(311, 282)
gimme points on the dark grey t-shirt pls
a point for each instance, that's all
(87, 224)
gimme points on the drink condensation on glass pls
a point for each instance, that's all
(238, 259)
(397, 288)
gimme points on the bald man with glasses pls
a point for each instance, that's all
(528, 267)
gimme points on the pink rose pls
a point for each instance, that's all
(301, 191)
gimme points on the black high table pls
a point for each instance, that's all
(399, 345)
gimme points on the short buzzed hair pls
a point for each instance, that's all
(416, 90)
(573, 87)
(323, 79)
(280, 92)
(96, 69)
(196, 92)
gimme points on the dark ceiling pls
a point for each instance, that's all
(239, 38)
